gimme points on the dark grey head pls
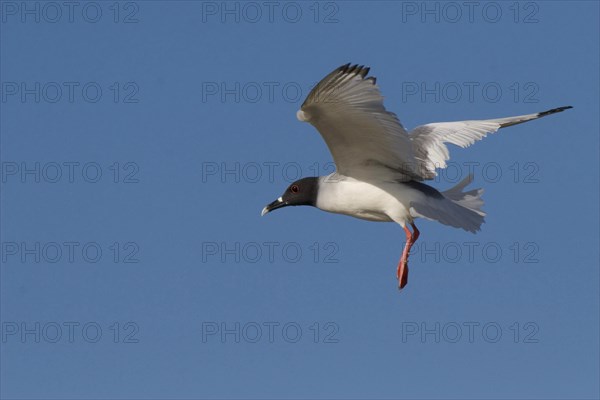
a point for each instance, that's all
(300, 193)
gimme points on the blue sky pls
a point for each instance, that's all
(140, 140)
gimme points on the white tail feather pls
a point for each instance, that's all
(454, 207)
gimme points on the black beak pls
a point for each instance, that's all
(273, 206)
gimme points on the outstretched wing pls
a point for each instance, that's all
(364, 138)
(429, 141)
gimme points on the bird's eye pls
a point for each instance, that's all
(294, 189)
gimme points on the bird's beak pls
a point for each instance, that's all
(273, 206)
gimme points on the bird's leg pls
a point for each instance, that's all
(416, 233)
(402, 271)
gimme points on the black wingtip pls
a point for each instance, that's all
(554, 110)
(350, 68)
(344, 68)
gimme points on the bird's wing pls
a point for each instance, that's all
(364, 139)
(429, 141)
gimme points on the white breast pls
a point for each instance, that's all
(381, 202)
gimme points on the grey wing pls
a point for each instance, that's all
(363, 137)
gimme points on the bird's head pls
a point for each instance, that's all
(303, 192)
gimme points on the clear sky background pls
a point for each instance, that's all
(159, 279)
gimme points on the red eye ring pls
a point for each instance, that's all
(294, 189)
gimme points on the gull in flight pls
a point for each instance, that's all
(381, 167)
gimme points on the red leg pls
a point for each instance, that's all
(416, 233)
(402, 271)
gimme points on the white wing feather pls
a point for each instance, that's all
(429, 141)
(368, 141)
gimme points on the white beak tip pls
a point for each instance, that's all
(264, 211)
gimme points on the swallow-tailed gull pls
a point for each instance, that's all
(380, 167)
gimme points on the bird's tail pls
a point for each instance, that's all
(470, 214)
(455, 207)
(470, 200)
